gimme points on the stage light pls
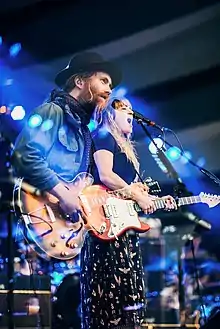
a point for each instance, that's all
(152, 148)
(34, 121)
(187, 156)
(15, 49)
(18, 113)
(3, 109)
(47, 125)
(201, 162)
(173, 153)
(1, 41)
(8, 82)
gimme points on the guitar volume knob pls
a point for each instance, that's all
(73, 245)
(64, 253)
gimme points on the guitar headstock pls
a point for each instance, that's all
(210, 199)
(153, 186)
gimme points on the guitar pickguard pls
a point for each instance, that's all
(122, 215)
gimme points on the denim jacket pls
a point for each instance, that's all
(42, 156)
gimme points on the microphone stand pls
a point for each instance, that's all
(179, 189)
(141, 119)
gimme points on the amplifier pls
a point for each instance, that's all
(31, 308)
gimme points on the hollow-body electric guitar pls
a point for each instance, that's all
(108, 216)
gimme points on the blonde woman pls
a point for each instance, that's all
(113, 294)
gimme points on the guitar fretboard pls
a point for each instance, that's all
(160, 203)
(189, 200)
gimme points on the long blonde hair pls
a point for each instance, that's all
(105, 120)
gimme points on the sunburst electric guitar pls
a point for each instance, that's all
(108, 216)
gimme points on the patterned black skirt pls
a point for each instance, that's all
(112, 284)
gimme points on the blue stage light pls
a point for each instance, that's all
(120, 92)
(187, 156)
(35, 121)
(47, 125)
(173, 153)
(15, 49)
(201, 162)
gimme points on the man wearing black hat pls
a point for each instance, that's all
(46, 153)
(60, 145)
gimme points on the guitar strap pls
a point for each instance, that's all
(86, 164)
(88, 154)
(138, 176)
(92, 151)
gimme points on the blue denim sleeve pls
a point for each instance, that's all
(33, 145)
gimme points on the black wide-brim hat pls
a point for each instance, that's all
(88, 62)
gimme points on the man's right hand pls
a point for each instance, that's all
(68, 201)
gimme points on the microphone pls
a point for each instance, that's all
(141, 118)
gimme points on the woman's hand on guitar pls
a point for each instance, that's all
(141, 196)
(137, 188)
(170, 203)
(146, 203)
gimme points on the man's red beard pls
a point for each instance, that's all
(91, 96)
(101, 101)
